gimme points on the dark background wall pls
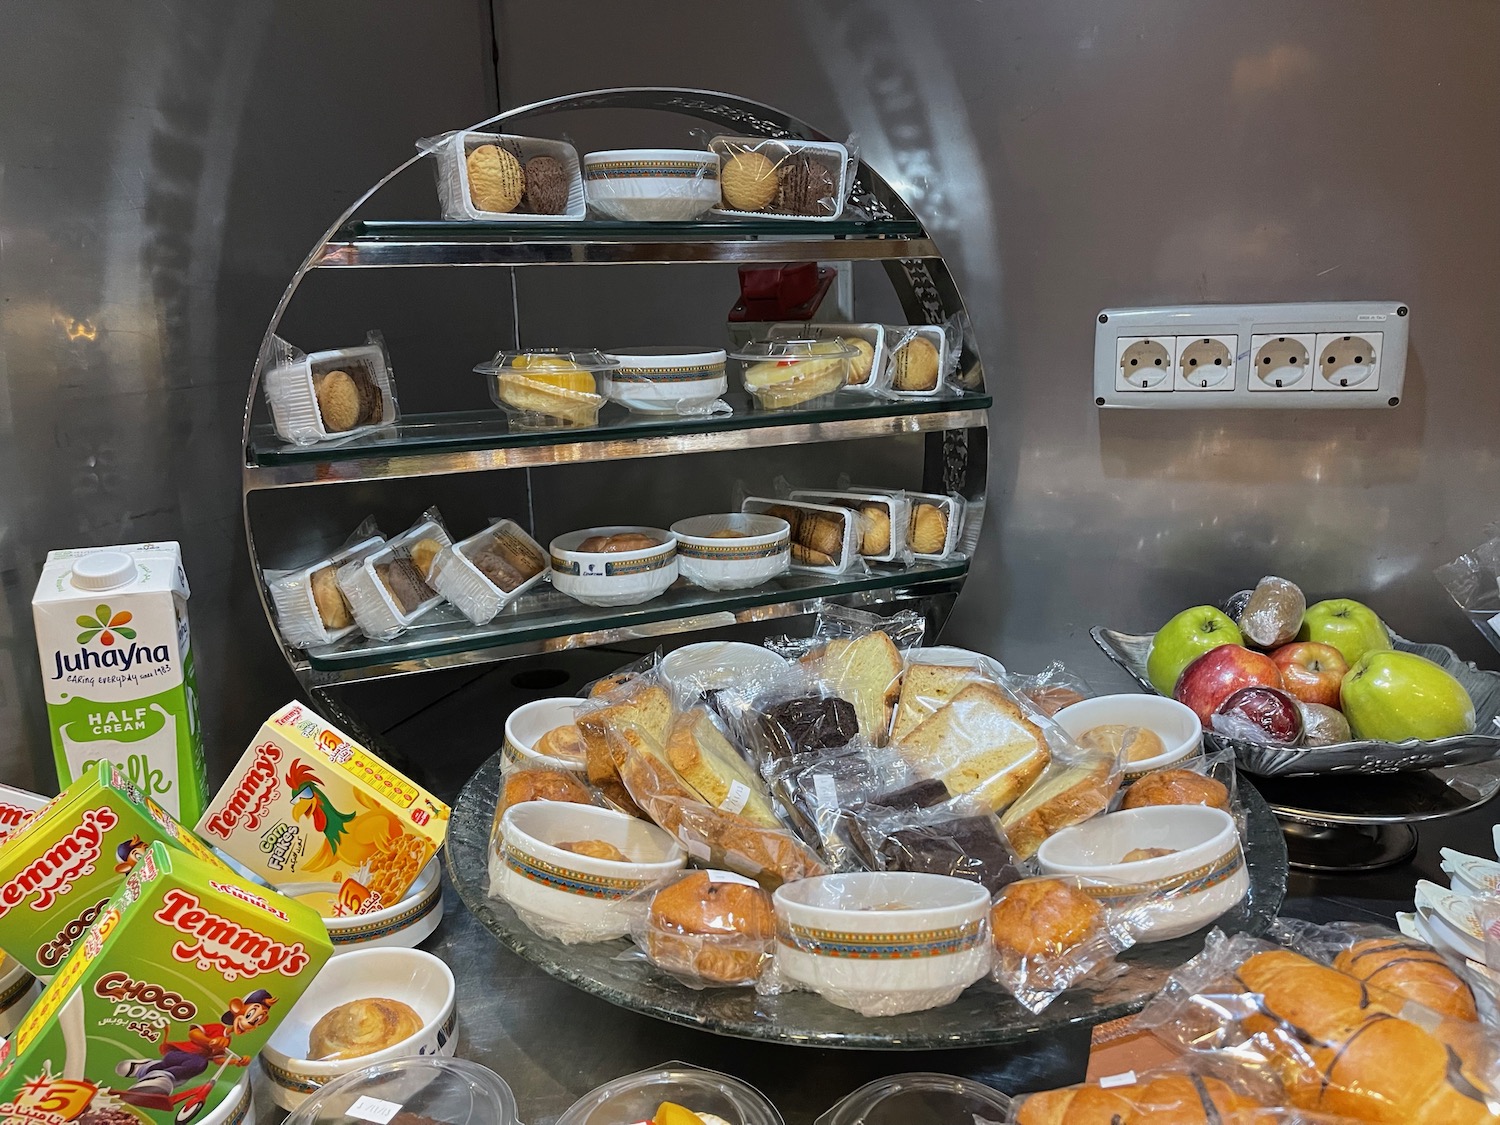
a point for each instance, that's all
(164, 168)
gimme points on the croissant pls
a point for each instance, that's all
(362, 1027)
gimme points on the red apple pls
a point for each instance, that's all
(1218, 674)
(1311, 672)
(1259, 711)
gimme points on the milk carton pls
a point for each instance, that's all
(117, 669)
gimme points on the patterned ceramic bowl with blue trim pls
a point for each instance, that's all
(651, 185)
(570, 895)
(665, 380)
(1198, 874)
(402, 924)
(598, 566)
(733, 551)
(1174, 723)
(883, 942)
(529, 723)
(237, 1108)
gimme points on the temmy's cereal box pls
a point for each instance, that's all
(17, 807)
(59, 870)
(323, 819)
(172, 991)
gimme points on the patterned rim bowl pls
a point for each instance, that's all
(1201, 877)
(403, 924)
(412, 976)
(883, 942)
(665, 380)
(235, 1109)
(651, 185)
(693, 670)
(525, 726)
(613, 578)
(759, 549)
(584, 896)
(1174, 723)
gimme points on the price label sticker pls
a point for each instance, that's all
(826, 790)
(367, 1108)
(739, 796)
(1125, 1079)
(730, 877)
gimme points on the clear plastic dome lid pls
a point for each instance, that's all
(904, 1098)
(429, 1089)
(636, 1097)
(794, 351)
(542, 360)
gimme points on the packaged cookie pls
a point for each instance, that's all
(869, 369)
(310, 607)
(884, 520)
(500, 176)
(923, 359)
(825, 538)
(763, 177)
(330, 396)
(484, 573)
(935, 524)
(388, 589)
(709, 929)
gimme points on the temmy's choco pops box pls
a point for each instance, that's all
(117, 669)
(17, 807)
(58, 872)
(322, 819)
(173, 990)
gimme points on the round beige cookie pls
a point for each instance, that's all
(496, 182)
(929, 529)
(748, 181)
(917, 365)
(339, 402)
(862, 363)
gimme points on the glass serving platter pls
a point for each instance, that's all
(984, 1015)
(1130, 650)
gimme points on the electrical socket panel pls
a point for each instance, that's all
(1319, 355)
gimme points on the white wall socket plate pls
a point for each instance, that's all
(1320, 355)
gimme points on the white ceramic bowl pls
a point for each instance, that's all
(237, 1108)
(401, 925)
(651, 185)
(576, 897)
(409, 975)
(692, 670)
(1176, 894)
(838, 936)
(761, 549)
(613, 578)
(1174, 723)
(18, 991)
(528, 722)
(665, 380)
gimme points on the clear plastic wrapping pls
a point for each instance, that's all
(913, 829)
(1473, 582)
(388, 589)
(782, 178)
(646, 185)
(709, 929)
(547, 388)
(1052, 689)
(869, 369)
(825, 539)
(1075, 786)
(525, 782)
(484, 573)
(1199, 779)
(310, 607)
(781, 374)
(502, 176)
(860, 657)
(905, 1099)
(637, 1097)
(1219, 1089)
(884, 519)
(330, 396)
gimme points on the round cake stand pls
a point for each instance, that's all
(985, 1015)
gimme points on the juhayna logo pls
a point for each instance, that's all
(107, 627)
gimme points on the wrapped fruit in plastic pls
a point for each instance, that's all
(1274, 612)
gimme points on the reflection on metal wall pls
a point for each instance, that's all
(1070, 157)
(163, 169)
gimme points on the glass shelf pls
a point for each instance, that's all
(606, 242)
(480, 440)
(544, 619)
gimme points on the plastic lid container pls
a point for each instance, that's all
(439, 1090)
(588, 359)
(904, 1098)
(762, 351)
(637, 1096)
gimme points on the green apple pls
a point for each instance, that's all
(1392, 696)
(1347, 625)
(1185, 638)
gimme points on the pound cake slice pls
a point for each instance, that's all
(981, 744)
(867, 672)
(1070, 796)
(711, 766)
(924, 689)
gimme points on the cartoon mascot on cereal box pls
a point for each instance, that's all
(155, 1080)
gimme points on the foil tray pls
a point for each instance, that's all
(1129, 651)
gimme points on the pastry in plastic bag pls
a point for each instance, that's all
(1412, 970)
(1176, 787)
(1174, 1097)
(709, 928)
(1051, 689)
(546, 186)
(929, 529)
(925, 688)
(1049, 934)
(865, 670)
(713, 769)
(749, 181)
(918, 366)
(638, 701)
(807, 724)
(964, 847)
(1067, 794)
(1274, 612)
(981, 744)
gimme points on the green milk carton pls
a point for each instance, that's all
(117, 669)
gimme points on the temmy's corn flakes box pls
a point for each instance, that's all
(17, 807)
(323, 819)
(172, 991)
(59, 870)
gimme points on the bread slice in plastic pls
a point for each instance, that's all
(712, 767)
(980, 744)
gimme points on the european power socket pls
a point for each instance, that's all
(1348, 363)
(1145, 363)
(1281, 363)
(1205, 363)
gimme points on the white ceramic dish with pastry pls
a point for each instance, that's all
(1174, 723)
(883, 942)
(18, 992)
(415, 978)
(614, 577)
(526, 725)
(666, 380)
(733, 551)
(692, 670)
(401, 925)
(568, 895)
(651, 185)
(1203, 876)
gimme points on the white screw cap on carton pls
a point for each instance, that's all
(103, 570)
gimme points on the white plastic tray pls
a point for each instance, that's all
(848, 555)
(453, 174)
(897, 508)
(834, 152)
(456, 578)
(301, 623)
(294, 404)
(374, 609)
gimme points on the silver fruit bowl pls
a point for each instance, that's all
(1130, 650)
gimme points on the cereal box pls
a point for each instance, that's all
(323, 819)
(172, 991)
(60, 869)
(17, 807)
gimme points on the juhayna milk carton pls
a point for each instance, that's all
(166, 999)
(58, 872)
(117, 669)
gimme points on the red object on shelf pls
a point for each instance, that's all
(786, 292)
